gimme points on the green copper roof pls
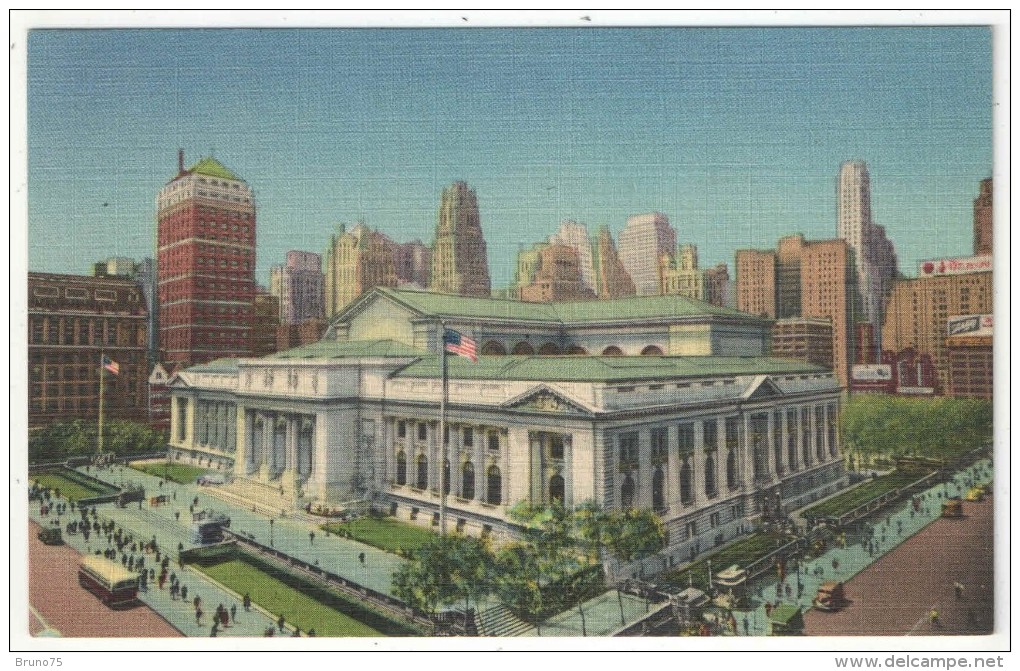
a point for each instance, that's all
(605, 368)
(213, 168)
(331, 349)
(620, 309)
(226, 365)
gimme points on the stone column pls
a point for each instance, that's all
(672, 467)
(643, 495)
(698, 466)
(266, 452)
(536, 474)
(479, 461)
(745, 453)
(770, 446)
(289, 475)
(241, 450)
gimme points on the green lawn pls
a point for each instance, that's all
(302, 604)
(180, 473)
(384, 533)
(844, 503)
(69, 489)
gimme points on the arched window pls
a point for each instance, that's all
(493, 348)
(686, 484)
(401, 468)
(652, 350)
(548, 349)
(731, 469)
(423, 472)
(557, 488)
(467, 482)
(658, 489)
(612, 350)
(627, 493)
(576, 349)
(523, 348)
(446, 476)
(710, 489)
(495, 486)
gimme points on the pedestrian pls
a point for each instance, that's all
(247, 602)
(162, 579)
(958, 588)
(311, 633)
(361, 557)
(198, 615)
(184, 592)
(280, 622)
(746, 626)
(789, 591)
(233, 613)
(311, 538)
(779, 590)
(198, 601)
(768, 608)
(215, 629)
(177, 515)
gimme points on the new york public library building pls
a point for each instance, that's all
(704, 428)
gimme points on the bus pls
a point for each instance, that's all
(115, 585)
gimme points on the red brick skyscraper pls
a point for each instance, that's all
(983, 220)
(205, 264)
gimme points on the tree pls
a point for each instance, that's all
(444, 571)
(518, 581)
(633, 534)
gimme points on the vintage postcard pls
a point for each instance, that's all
(479, 330)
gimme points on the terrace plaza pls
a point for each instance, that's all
(704, 429)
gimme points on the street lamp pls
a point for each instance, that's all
(271, 521)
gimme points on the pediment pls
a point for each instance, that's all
(545, 399)
(762, 389)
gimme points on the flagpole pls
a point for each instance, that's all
(102, 377)
(442, 431)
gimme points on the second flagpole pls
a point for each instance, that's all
(442, 431)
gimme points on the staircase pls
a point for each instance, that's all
(499, 621)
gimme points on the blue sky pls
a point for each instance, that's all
(736, 134)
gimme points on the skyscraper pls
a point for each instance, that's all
(611, 279)
(983, 219)
(644, 239)
(808, 279)
(356, 261)
(574, 234)
(874, 254)
(298, 284)
(460, 264)
(205, 256)
(556, 276)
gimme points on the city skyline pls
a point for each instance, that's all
(741, 130)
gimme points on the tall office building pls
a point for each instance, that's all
(679, 275)
(919, 309)
(298, 284)
(73, 321)
(356, 261)
(556, 277)
(643, 241)
(717, 285)
(413, 264)
(205, 262)
(611, 278)
(460, 264)
(807, 279)
(874, 254)
(983, 219)
(574, 234)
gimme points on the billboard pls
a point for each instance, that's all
(955, 266)
(971, 325)
(871, 372)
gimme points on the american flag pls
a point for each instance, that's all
(111, 365)
(460, 344)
